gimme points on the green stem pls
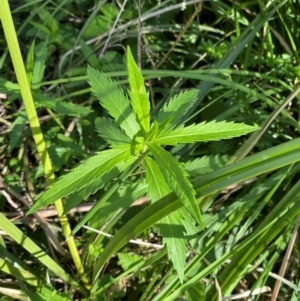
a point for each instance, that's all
(17, 60)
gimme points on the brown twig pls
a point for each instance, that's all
(285, 260)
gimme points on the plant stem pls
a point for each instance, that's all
(14, 49)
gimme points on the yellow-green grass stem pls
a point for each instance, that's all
(18, 63)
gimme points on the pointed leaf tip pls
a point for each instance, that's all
(112, 98)
(138, 94)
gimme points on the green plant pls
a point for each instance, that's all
(134, 141)
(247, 213)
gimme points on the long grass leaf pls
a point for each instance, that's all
(17, 235)
(237, 48)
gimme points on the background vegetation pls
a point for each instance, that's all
(243, 59)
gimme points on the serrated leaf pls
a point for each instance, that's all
(110, 132)
(41, 27)
(177, 180)
(112, 98)
(82, 175)
(127, 261)
(99, 24)
(138, 94)
(58, 155)
(203, 165)
(172, 231)
(51, 22)
(110, 11)
(40, 63)
(164, 126)
(77, 197)
(7, 86)
(153, 131)
(205, 131)
(191, 230)
(157, 185)
(177, 107)
(49, 294)
(109, 192)
(89, 54)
